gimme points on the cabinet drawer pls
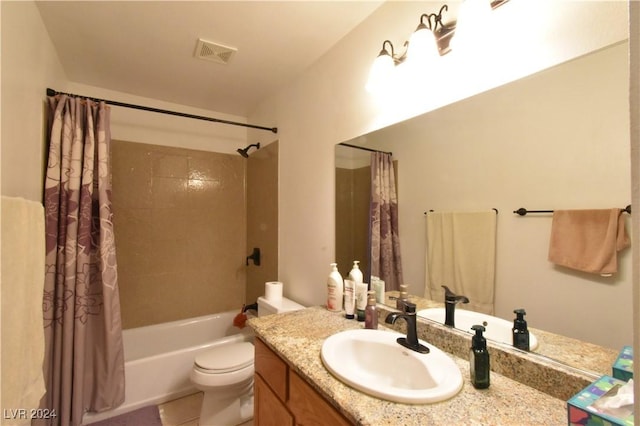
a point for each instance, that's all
(272, 368)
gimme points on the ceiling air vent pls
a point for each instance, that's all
(214, 52)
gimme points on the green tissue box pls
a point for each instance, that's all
(586, 407)
(623, 367)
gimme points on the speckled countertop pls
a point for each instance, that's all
(297, 337)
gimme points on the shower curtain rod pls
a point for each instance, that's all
(51, 92)
(365, 149)
(522, 211)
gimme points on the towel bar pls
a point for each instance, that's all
(522, 211)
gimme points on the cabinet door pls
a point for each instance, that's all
(309, 408)
(272, 369)
(268, 410)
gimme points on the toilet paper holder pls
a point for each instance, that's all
(255, 256)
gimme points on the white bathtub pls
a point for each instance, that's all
(159, 358)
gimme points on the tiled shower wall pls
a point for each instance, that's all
(180, 228)
(353, 189)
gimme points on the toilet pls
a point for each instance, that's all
(225, 375)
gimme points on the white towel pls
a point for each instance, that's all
(461, 254)
(23, 251)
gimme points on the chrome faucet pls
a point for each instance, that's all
(409, 315)
(450, 301)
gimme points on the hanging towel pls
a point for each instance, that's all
(461, 254)
(588, 240)
(23, 250)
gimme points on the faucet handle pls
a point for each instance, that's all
(408, 307)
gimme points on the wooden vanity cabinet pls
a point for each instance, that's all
(282, 397)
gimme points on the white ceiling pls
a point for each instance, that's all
(147, 48)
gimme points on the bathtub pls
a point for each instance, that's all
(159, 358)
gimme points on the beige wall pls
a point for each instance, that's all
(29, 66)
(180, 225)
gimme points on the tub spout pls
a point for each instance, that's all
(253, 306)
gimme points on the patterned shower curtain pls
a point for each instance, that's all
(386, 262)
(84, 357)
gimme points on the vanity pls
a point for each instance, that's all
(292, 386)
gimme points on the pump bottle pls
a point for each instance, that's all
(520, 330)
(355, 274)
(335, 289)
(479, 359)
(371, 311)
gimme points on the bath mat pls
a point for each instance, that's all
(145, 416)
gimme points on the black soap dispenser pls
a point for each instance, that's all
(479, 359)
(520, 331)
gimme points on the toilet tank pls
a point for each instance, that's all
(268, 307)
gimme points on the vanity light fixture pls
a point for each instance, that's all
(422, 47)
(429, 37)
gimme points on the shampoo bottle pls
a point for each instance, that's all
(356, 274)
(520, 331)
(371, 312)
(479, 359)
(335, 289)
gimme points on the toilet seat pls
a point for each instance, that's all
(226, 359)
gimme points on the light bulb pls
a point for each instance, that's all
(423, 49)
(380, 73)
(473, 24)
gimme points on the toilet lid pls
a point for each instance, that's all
(226, 358)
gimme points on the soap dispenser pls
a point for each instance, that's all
(335, 289)
(479, 359)
(520, 331)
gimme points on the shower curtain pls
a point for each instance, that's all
(386, 262)
(84, 358)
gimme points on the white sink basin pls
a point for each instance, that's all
(374, 363)
(497, 329)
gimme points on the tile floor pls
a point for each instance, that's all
(185, 411)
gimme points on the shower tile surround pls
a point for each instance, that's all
(353, 187)
(180, 228)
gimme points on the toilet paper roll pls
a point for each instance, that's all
(273, 291)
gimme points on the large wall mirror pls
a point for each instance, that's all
(558, 139)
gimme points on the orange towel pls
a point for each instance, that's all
(588, 240)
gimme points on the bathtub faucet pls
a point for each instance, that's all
(253, 306)
(450, 301)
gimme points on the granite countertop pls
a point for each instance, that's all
(297, 337)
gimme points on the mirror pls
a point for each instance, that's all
(558, 139)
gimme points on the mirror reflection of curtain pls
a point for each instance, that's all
(386, 261)
(84, 357)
